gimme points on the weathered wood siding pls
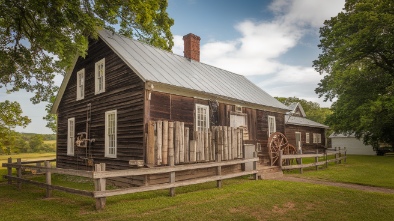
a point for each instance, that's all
(124, 92)
(262, 127)
(292, 129)
(164, 106)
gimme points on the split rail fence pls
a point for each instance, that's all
(338, 154)
(100, 175)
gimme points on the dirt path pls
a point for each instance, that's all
(345, 185)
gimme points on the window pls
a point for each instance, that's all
(307, 138)
(239, 120)
(100, 77)
(110, 133)
(70, 136)
(80, 84)
(298, 140)
(316, 138)
(202, 117)
(271, 125)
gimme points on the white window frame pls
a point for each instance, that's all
(271, 122)
(240, 120)
(98, 78)
(81, 84)
(307, 138)
(299, 144)
(111, 145)
(316, 138)
(199, 115)
(70, 136)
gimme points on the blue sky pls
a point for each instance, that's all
(273, 43)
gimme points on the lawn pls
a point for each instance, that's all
(364, 170)
(24, 157)
(238, 199)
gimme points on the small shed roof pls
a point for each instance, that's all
(302, 121)
(341, 135)
(293, 108)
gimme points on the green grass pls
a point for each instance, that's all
(27, 156)
(24, 157)
(364, 170)
(49, 141)
(238, 199)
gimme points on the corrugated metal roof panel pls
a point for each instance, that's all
(302, 121)
(153, 64)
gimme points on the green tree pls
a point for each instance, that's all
(21, 146)
(39, 39)
(36, 143)
(312, 110)
(357, 60)
(51, 118)
(10, 117)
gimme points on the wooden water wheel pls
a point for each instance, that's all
(290, 150)
(277, 142)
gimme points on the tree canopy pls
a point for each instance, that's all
(39, 39)
(10, 117)
(357, 60)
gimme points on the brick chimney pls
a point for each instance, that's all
(192, 46)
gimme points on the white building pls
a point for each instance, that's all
(352, 144)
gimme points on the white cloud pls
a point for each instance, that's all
(306, 12)
(257, 52)
(178, 45)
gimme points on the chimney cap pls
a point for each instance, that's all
(192, 36)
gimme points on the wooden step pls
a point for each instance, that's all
(269, 172)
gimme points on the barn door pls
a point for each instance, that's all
(298, 141)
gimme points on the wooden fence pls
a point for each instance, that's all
(338, 154)
(172, 139)
(100, 175)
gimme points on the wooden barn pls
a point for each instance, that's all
(114, 101)
(303, 133)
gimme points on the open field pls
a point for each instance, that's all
(238, 199)
(49, 141)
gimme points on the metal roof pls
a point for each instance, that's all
(156, 65)
(302, 121)
(293, 107)
(342, 135)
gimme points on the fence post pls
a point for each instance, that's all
(255, 175)
(345, 154)
(301, 169)
(99, 185)
(48, 179)
(19, 171)
(9, 169)
(340, 155)
(280, 158)
(219, 169)
(317, 159)
(326, 155)
(336, 155)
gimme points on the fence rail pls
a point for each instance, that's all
(100, 175)
(337, 152)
